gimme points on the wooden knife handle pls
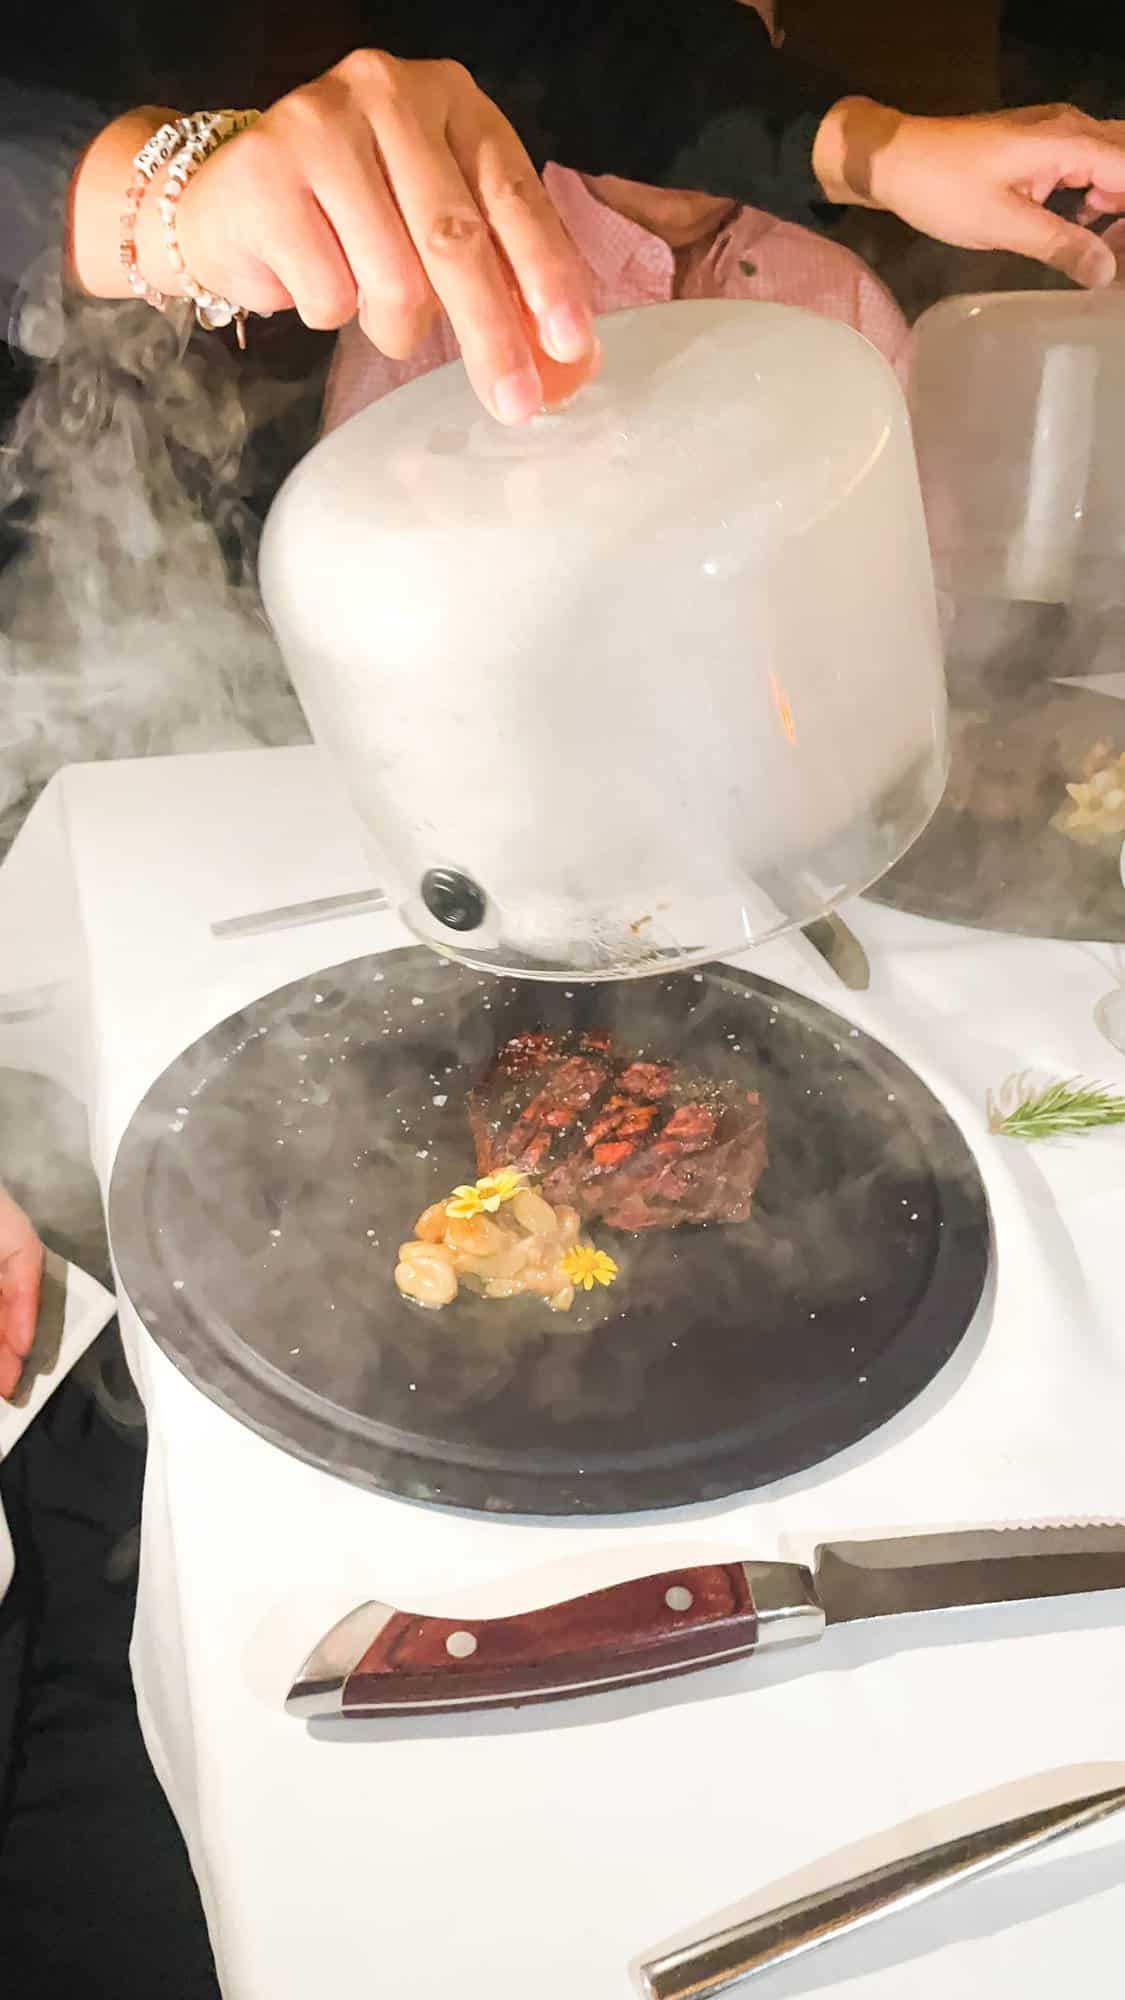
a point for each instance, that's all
(640, 1631)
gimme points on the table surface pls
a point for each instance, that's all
(542, 1851)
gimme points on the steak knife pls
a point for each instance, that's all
(381, 1662)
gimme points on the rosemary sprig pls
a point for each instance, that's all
(1055, 1110)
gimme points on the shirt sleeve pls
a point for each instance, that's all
(43, 134)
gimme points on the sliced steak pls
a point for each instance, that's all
(538, 1088)
(632, 1143)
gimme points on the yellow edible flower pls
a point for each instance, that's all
(485, 1196)
(587, 1267)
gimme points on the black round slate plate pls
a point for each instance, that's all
(263, 1186)
(990, 857)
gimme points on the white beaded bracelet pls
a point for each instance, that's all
(210, 309)
(163, 145)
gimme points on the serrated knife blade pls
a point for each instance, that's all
(900, 1575)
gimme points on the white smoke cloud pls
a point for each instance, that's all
(129, 619)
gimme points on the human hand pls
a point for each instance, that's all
(21, 1269)
(386, 187)
(982, 182)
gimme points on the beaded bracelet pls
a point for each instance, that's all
(210, 309)
(163, 146)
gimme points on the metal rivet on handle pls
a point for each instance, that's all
(461, 1645)
(679, 1597)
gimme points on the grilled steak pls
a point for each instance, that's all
(634, 1144)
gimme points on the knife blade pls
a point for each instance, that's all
(380, 1661)
(288, 916)
(841, 951)
(724, 1960)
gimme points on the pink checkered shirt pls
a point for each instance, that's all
(754, 256)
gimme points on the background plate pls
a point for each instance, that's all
(263, 1186)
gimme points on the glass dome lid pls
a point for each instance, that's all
(649, 680)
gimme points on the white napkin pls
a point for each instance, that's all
(73, 1310)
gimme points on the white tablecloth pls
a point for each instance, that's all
(538, 1853)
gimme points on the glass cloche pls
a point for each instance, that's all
(1018, 404)
(649, 680)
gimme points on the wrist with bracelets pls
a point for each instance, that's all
(182, 145)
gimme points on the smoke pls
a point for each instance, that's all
(130, 623)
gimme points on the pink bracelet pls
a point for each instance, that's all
(210, 309)
(157, 150)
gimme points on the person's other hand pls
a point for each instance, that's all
(21, 1269)
(383, 188)
(982, 182)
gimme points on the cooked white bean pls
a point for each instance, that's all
(534, 1214)
(425, 1273)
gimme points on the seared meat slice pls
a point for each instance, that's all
(538, 1088)
(640, 1145)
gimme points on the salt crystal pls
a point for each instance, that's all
(441, 1101)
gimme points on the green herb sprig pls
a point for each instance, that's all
(1063, 1110)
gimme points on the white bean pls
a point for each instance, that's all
(425, 1273)
(533, 1213)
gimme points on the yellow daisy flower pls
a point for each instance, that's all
(485, 1196)
(464, 1203)
(587, 1267)
(500, 1187)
